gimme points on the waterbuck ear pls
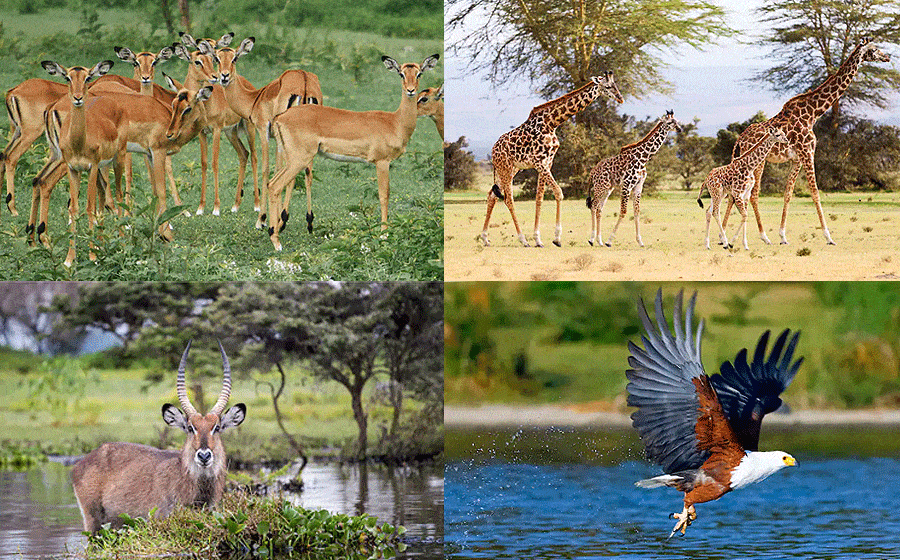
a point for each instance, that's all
(233, 417)
(174, 417)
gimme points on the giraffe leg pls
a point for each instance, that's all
(788, 194)
(742, 208)
(502, 190)
(714, 207)
(623, 209)
(558, 195)
(814, 193)
(597, 204)
(754, 201)
(638, 189)
(538, 199)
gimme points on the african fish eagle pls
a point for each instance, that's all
(704, 431)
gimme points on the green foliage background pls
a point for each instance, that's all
(567, 342)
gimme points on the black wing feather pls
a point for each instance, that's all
(748, 392)
(660, 387)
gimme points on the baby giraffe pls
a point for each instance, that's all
(737, 179)
(627, 170)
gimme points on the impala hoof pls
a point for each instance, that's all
(199, 212)
(557, 243)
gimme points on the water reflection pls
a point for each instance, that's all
(40, 519)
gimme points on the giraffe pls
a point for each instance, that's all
(736, 179)
(532, 145)
(627, 170)
(796, 119)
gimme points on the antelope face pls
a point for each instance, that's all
(202, 62)
(203, 449)
(428, 100)
(77, 77)
(144, 63)
(410, 72)
(187, 110)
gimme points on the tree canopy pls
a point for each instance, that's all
(559, 44)
(811, 38)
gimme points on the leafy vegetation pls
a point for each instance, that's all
(251, 526)
(558, 341)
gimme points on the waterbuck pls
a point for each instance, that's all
(128, 478)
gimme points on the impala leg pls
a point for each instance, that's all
(158, 182)
(288, 192)
(276, 185)
(173, 187)
(232, 134)
(74, 187)
(309, 211)
(258, 194)
(45, 182)
(17, 146)
(217, 140)
(383, 171)
(203, 165)
(91, 205)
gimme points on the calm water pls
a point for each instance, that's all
(39, 517)
(505, 504)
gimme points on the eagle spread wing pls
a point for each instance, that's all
(747, 392)
(661, 386)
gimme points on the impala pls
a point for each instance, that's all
(220, 117)
(132, 479)
(430, 103)
(89, 133)
(25, 106)
(260, 106)
(376, 137)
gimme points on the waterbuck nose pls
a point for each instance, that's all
(204, 456)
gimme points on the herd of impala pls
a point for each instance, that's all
(96, 120)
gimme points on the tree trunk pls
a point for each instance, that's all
(360, 415)
(185, 15)
(167, 16)
(397, 403)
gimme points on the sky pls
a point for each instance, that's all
(713, 85)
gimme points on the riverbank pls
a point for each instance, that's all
(581, 416)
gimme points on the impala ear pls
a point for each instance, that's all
(53, 68)
(205, 48)
(391, 64)
(174, 417)
(164, 54)
(245, 47)
(225, 40)
(124, 53)
(233, 417)
(181, 51)
(429, 62)
(187, 40)
(99, 69)
(440, 92)
(204, 93)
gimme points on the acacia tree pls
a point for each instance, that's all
(811, 38)
(559, 44)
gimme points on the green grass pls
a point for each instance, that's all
(347, 242)
(121, 405)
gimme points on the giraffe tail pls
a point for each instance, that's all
(495, 190)
(588, 201)
(699, 194)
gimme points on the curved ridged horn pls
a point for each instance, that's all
(186, 405)
(226, 384)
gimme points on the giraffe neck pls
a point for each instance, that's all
(820, 99)
(553, 113)
(643, 149)
(757, 153)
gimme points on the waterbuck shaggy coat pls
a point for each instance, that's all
(128, 478)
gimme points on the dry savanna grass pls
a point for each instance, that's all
(865, 226)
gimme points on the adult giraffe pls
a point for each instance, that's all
(796, 119)
(532, 145)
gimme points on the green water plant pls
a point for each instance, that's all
(250, 526)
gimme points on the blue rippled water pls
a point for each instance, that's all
(822, 509)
